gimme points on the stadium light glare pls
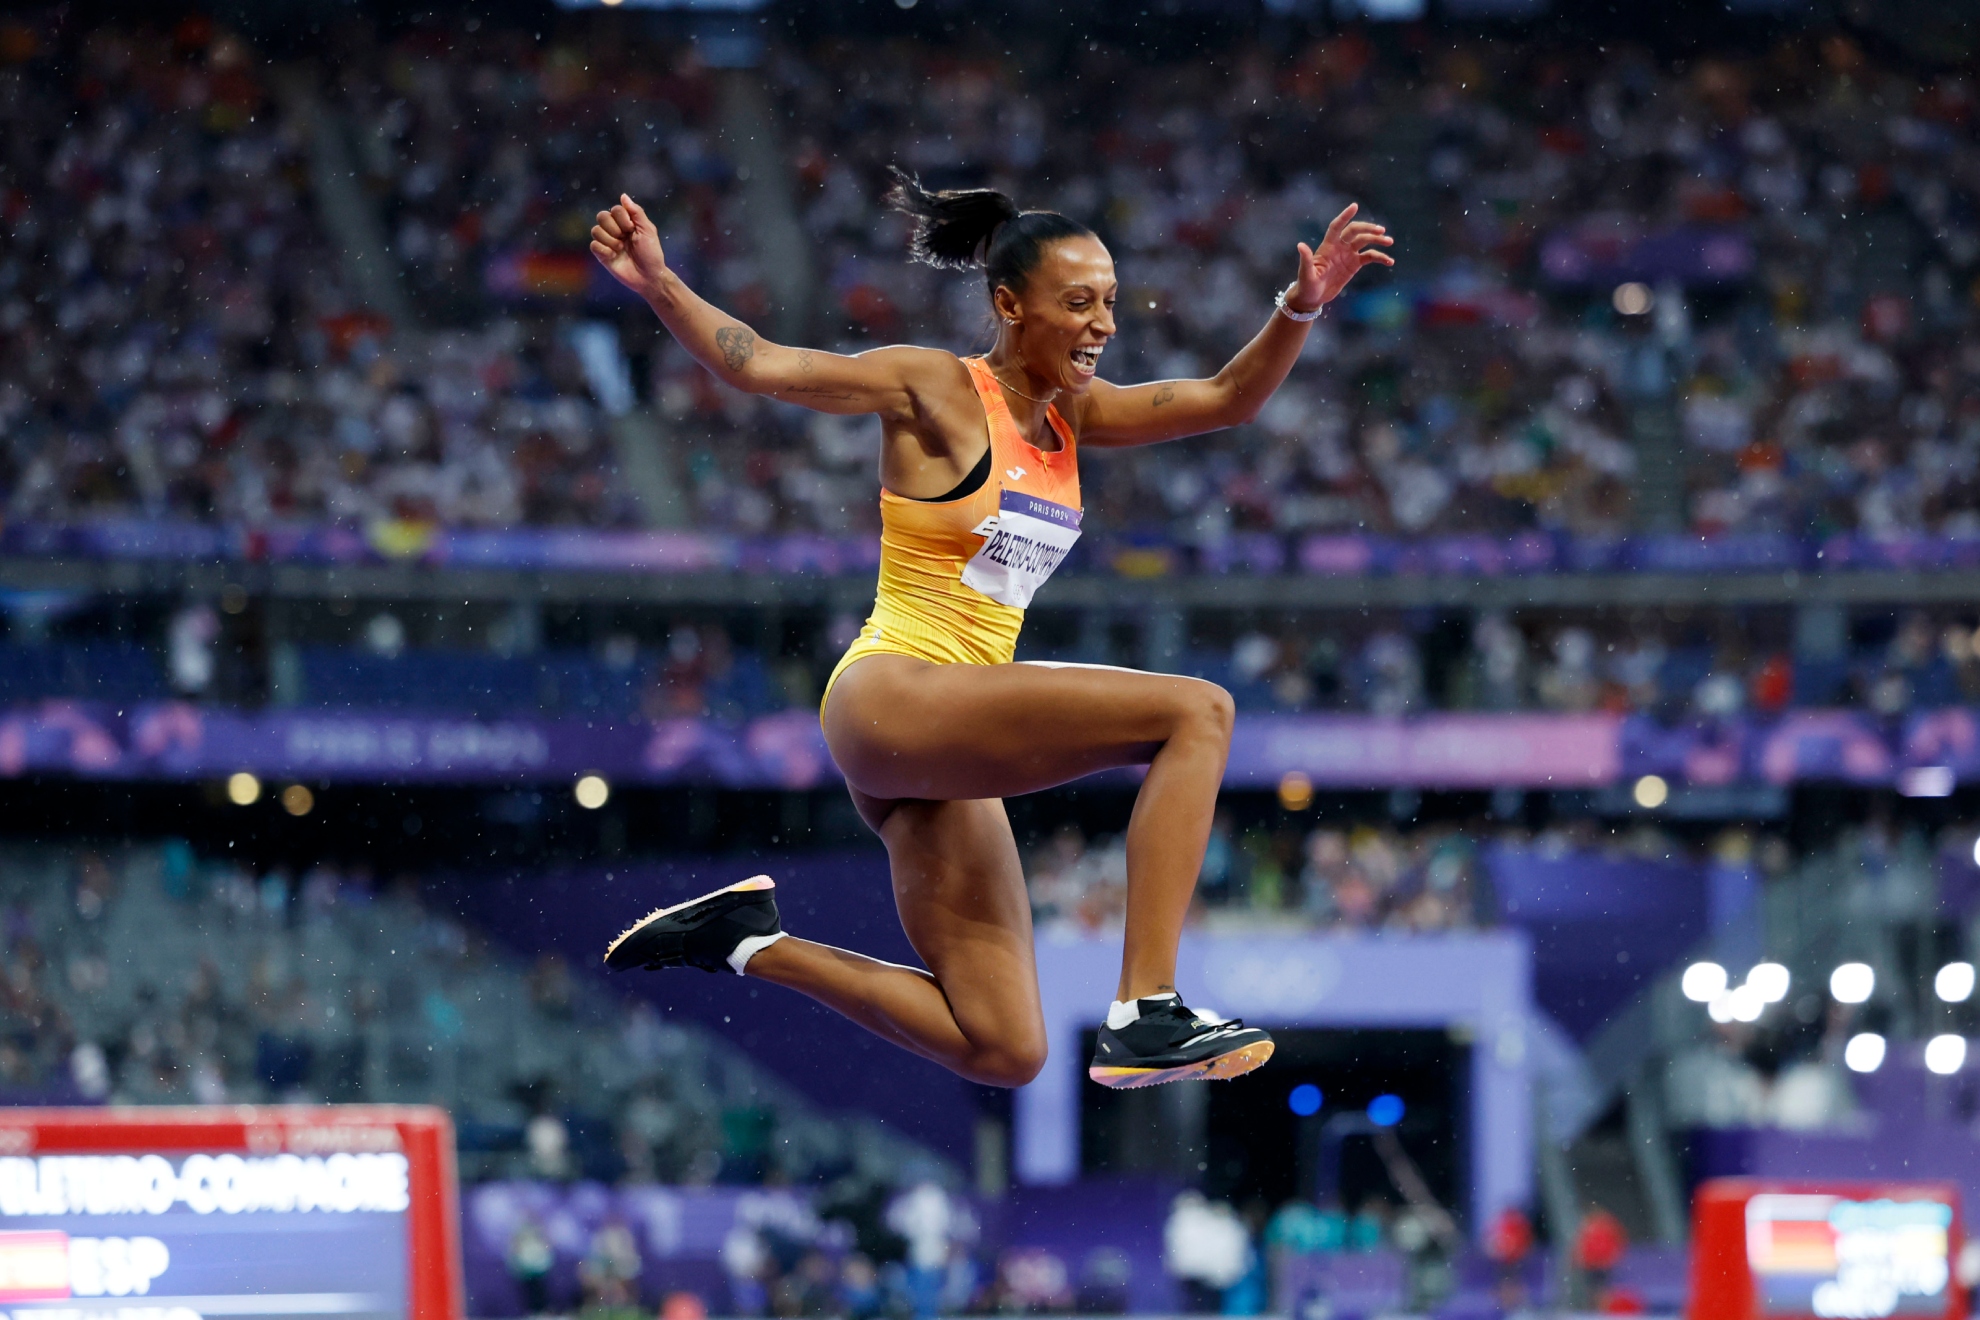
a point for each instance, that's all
(1746, 1003)
(1651, 792)
(297, 800)
(1703, 982)
(1304, 1100)
(1385, 1110)
(243, 789)
(592, 792)
(1770, 981)
(1633, 299)
(1927, 781)
(1954, 983)
(1720, 1010)
(1865, 1052)
(1976, 852)
(1295, 791)
(1945, 1055)
(1852, 983)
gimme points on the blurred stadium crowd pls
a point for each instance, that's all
(180, 339)
(733, 667)
(338, 985)
(144, 975)
(147, 976)
(1364, 877)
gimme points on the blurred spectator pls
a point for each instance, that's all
(1300, 1228)
(1509, 1241)
(938, 1230)
(1206, 1247)
(1712, 1084)
(1600, 1243)
(189, 648)
(529, 1259)
(549, 1144)
(609, 1272)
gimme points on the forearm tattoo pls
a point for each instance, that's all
(738, 345)
(1167, 394)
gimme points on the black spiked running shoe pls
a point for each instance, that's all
(1170, 1043)
(701, 932)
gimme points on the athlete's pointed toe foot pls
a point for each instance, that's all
(702, 932)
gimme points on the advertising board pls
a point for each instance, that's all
(1766, 1250)
(247, 1212)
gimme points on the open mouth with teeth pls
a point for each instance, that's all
(1086, 358)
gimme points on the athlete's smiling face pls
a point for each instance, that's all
(1065, 315)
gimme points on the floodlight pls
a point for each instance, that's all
(1770, 980)
(1864, 1053)
(1746, 1003)
(1651, 792)
(1703, 982)
(1852, 983)
(1945, 1055)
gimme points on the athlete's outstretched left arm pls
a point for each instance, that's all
(1115, 416)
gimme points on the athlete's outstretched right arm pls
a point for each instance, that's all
(883, 380)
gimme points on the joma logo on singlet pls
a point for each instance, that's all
(1023, 554)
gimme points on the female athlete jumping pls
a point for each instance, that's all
(926, 715)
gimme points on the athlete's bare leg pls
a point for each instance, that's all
(960, 891)
(919, 743)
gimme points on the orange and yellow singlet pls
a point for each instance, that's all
(956, 575)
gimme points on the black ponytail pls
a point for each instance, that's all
(958, 228)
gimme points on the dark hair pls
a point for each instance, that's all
(958, 228)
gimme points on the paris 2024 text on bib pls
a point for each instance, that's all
(1027, 539)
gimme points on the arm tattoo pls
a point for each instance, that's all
(804, 361)
(1167, 394)
(738, 345)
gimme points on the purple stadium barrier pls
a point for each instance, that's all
(1358, 1284)
(570, 549)
(175, 741)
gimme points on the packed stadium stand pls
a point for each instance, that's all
(1603, 585)
(1796, 226)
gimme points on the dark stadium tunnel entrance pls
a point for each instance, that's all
(1244, 1142)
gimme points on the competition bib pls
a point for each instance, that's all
(1027, 539)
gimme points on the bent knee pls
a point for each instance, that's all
(1209, 708)
(1009, 1063)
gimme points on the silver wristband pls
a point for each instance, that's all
(1302, 317)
